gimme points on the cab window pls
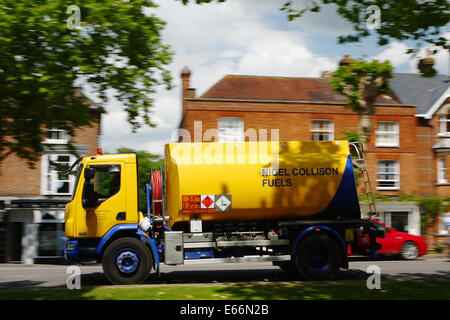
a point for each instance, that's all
(104, 184)
(107, 181)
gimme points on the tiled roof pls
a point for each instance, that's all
(413, 89)
(279, 88)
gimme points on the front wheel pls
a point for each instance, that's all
(127, 261)
(409, 251)
(318, 257)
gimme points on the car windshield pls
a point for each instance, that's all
(379, 227)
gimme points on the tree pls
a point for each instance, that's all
(430, 207)
(49, 49)
(413, 21)
(146, 162)
(362, 81)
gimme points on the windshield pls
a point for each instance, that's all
(80, 168)
(379, 227)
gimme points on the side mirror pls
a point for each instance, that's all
(89, 173)
(89, 198)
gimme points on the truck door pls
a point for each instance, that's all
(103, 200)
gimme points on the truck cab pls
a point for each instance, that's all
(105, 197)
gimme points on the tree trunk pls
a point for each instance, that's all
(365, 121)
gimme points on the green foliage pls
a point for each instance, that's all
(352, 135)
(415, 21)
(44, 62)
(403, 197)
(362, 81)
(438, 248)
(430, 206)
(146, 162)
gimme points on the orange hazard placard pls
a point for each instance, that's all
(191, 203)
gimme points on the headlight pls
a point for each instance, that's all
(70, 245)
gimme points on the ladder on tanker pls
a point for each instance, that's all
(360, 162)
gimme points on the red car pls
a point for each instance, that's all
(406, 245)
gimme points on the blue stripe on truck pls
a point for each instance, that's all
(345, 201)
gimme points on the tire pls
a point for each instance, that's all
(127, 261)
(409, 251)
(289, 267)
(318, 257)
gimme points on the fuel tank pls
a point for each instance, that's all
(233, 181)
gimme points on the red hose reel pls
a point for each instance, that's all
(157, 191)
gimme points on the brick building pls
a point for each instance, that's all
(431, 97)
(32, 201)
(309, 109)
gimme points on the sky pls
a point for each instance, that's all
(244, 37)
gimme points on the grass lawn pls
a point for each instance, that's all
(434, 289)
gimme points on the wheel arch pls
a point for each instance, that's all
(116, 232)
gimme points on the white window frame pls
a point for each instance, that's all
(393, 135)
(64, 137)
(442, 171)
(49, 177)
(329, 130)
(395, 173)
(444, 120)
(230, 129)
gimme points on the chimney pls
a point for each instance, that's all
(346, 60)
(326, 74)
(187, 91)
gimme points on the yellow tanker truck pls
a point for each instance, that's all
(293, 203)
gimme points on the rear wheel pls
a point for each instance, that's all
(318, 257)
(409, 251)
(127, 261)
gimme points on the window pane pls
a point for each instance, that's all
(65, 159)
(388, 174)
(106, 181)
(387, 133)
(230, 129)
(442, 171)
(56, 134)
(448, 123)
(399, 221)
(63, 187)
(322, 130)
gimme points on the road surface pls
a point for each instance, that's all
(30, 276)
